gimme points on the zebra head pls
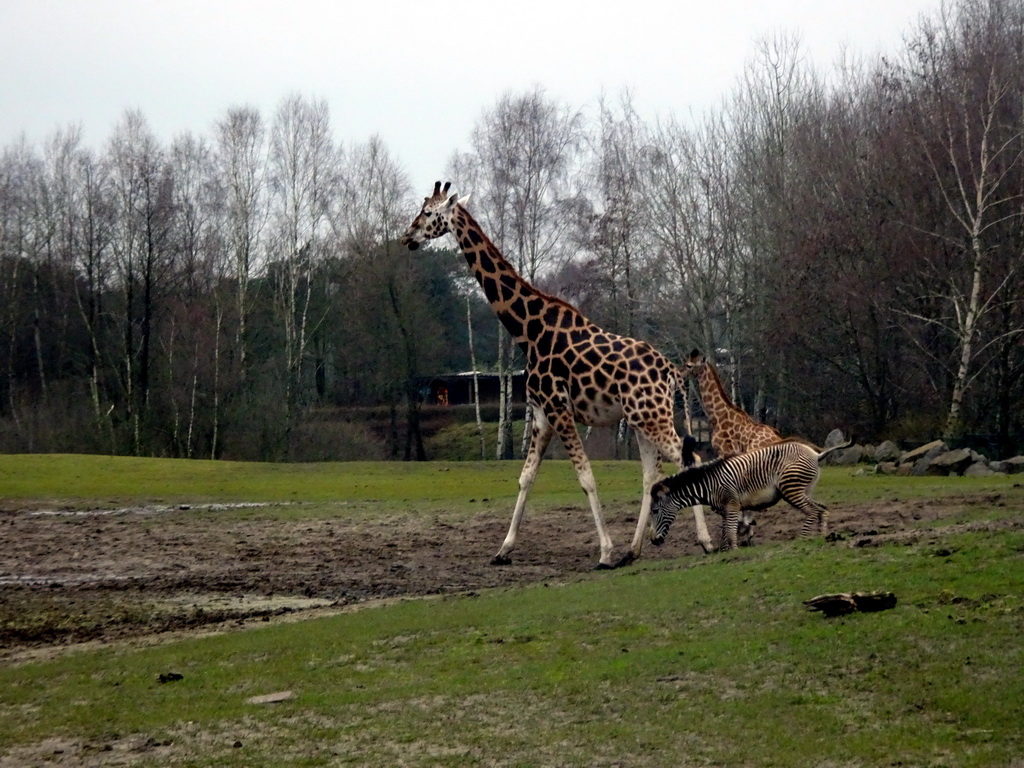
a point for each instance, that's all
(663, 512)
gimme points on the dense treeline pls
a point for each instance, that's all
(849, 248)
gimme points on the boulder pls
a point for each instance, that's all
(978, 469)
(835, 437)
(887, 451)
(1014, 466)
(951, 462)
(928, 450)
(848, 457)
(920, 467)
(885, 468)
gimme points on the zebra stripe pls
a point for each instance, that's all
(750, 481)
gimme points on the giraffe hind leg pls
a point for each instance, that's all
(565, 427)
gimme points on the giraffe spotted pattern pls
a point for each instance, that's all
(576, 372)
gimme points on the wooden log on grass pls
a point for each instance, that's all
(848, 602)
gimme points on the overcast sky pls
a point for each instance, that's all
(419, 74)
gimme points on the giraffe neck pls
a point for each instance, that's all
(518, 305)
(716, 402)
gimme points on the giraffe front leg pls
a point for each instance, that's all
(703, 537)
(745, 531)
(540, 437)
(650, 459)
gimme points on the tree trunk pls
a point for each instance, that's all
(967, 327)
(504, 446)
(476, 383)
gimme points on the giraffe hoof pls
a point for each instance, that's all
(500, 559)
(605, 567)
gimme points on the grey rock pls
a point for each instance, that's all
(1014, 466)
(848, 457)
(934, 448)
(887, 451)
(978, 469)
(951, 462)
(835, 437)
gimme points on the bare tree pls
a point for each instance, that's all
(762, 117)
(304, 184)
(142, 188)
(189, 351)
(242, 170)
(525, 158)
(241, 173)
(376, 197)
(966, 85)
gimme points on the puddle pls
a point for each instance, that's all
(153, 509)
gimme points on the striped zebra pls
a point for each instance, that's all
(750, 481)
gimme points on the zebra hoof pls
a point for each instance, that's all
(627, 559)
(501, 559)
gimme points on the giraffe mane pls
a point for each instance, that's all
(488, 242)
(718, 384)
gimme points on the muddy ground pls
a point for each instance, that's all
(70, 576)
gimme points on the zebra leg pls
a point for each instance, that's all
(730, 523)
(796, 487)
(815, 515)
(540, 437)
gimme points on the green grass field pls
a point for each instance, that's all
(697, 661)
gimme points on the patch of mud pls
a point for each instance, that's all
(68, 577)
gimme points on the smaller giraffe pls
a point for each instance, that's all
(732, 431)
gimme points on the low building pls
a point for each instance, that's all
(452, 389)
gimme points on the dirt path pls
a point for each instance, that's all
(70, 576)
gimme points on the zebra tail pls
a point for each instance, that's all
(834, 448)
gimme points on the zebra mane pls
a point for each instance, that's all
(694, 473)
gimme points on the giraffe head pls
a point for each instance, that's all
(435, 217)
(694, 363)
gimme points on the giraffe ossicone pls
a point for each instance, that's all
(576, 372)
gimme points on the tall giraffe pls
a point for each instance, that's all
(575, 372)
(732, 431)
